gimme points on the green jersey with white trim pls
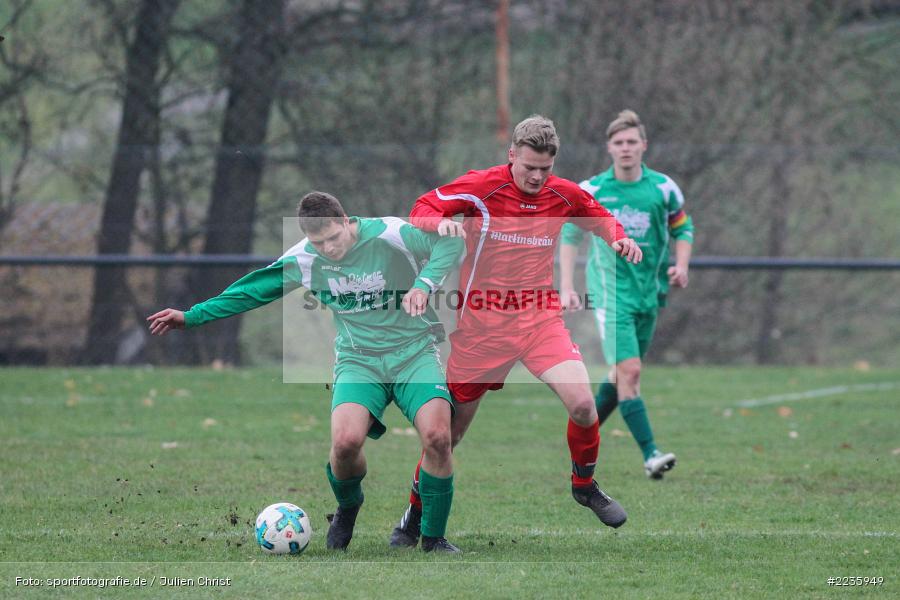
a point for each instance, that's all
(363, 290)
(651, 210)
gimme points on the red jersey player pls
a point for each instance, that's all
(508, 312)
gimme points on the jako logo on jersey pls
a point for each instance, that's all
(366, 284)
(515, 238)
(635, 222)
(528, 206)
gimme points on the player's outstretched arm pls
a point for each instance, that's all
(628, 249)
(165, 321)
(253, 290)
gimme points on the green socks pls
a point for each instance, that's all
(436, 493)
(347, 491)
(635, 414)
(607, 399)
(437, 496)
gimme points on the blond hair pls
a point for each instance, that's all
(626, 120)
(537, 132)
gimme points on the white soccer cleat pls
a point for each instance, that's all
(658, 464)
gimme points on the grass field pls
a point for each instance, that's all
(160, 473)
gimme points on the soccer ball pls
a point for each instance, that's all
(283, 528)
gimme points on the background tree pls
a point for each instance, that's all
(138, 135)
(23, 64)
(254, 66)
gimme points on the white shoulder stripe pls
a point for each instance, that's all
(587, 186)
(304, 260)
(391, 235)
(671, 191)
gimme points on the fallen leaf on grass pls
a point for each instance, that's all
(617, 433)
(785, 411)
(403, 430)
(169, 445)
(793, 435)
(207, 423)
(745, 412)
(304, 423)
(148, 402)
(895, 452)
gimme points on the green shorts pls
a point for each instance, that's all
(410, 376)
(625, 334)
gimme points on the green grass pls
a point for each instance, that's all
(750, 511)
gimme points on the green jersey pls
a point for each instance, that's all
(651, 210)
(363, 290)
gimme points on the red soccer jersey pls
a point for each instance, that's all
(506, 279)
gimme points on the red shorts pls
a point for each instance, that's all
(479, 362)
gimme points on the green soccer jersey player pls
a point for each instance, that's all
(626, 297)
(364, 270)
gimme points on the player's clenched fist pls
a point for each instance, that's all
(415, 301)
(569, 299)
(678, 276)
(165, 320)
(628, 249)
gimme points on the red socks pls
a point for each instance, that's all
(414, 498)
(584, 445)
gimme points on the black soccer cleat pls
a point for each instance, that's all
(438, 544)
(406, 533)
(608, 510)
(340, 530)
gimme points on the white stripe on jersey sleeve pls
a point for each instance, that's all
(304, 261)
(391, 235)
(670, 190)
(485, 225)
(431, 285)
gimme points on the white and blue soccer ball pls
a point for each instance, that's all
(283, 528)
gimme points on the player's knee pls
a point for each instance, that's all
(629, 373)
(436, 440)
(346, 445)
(583, 410)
